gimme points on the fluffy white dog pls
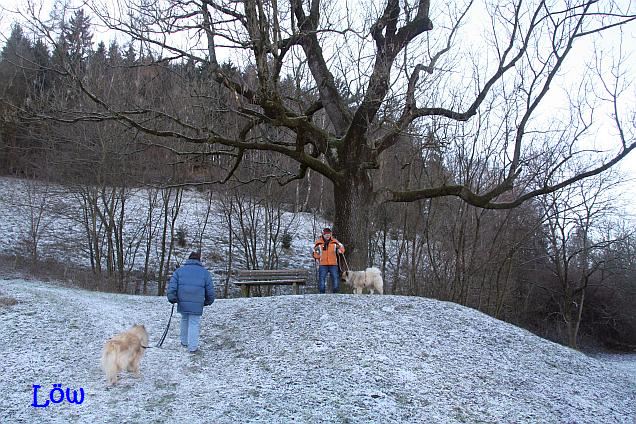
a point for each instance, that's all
(371, 279)
(124, 352)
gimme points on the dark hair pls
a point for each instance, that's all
(326, 230)
(195, 255)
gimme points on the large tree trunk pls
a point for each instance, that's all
(353, 201)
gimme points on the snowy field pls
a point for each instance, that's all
(304, 359)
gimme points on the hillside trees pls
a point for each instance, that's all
(23, 75)
(608, 316)
(576, 248)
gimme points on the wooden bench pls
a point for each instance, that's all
(248, 278)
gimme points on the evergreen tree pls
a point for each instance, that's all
(78, 39)
(42, 62)
(130, 56)
(16, 66)
(114, 55)
(16, 44)
(99, 56)
(16, 77)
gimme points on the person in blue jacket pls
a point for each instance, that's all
(192, 288)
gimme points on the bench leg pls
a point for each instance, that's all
(295, 287)
(245, 290)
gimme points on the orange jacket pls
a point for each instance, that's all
(327, 255)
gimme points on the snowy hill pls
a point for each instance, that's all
(312, 358)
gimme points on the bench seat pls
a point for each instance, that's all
(246, 279)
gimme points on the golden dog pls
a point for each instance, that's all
(124, 351)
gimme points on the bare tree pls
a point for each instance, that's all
(574, 217)
(171, 199)
(34, 201)
(371, 79)
(227, 207)
(150, 232)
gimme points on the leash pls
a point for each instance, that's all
(345, 261)
(165, 333)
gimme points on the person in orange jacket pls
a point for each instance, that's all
(325, 250)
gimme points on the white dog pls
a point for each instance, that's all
(371, 279)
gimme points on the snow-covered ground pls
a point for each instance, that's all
(307, 359)
(624, 361)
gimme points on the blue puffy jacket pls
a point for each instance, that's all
(192, 287)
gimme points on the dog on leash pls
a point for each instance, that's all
(124, 352)
(370, 279)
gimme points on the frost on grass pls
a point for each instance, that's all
(313, 358)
